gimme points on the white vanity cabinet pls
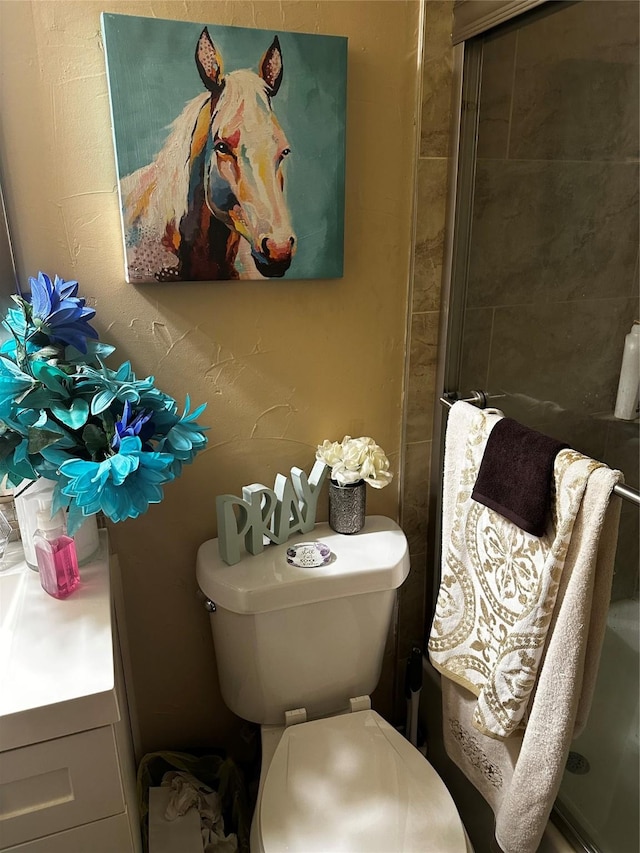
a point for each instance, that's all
(67, 775)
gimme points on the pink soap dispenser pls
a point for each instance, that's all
(55, 554)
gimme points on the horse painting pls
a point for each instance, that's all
(212, 205)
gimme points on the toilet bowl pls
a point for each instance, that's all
(299, 649)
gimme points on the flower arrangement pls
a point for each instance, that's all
(109, 440)
(354, 459)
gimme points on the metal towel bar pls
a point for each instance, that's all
(482, 399)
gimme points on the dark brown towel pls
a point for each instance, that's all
(516, 473)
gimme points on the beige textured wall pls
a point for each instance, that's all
(281, 364)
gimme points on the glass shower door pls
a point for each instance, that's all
(549, 278)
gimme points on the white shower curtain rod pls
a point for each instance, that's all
(480, 399)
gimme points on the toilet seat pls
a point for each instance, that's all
(351, 784)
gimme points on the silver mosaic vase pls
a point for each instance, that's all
(347, 506)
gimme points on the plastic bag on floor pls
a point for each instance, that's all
(217, 774)
(188, 792)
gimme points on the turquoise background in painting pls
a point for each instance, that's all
(152, 74)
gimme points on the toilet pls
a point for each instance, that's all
(299, 649)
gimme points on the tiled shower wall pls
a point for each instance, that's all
(432, 169)
(553, 272)
(432, 179)
(542, 162)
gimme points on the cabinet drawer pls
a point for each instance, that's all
(110, 835)
(54, 785)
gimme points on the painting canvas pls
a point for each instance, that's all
(230, 150)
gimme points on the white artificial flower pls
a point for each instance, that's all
(329, 452)
(341, 474)
(355, 459)
(353, 453)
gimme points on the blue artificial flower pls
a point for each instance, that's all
(14, 383)
(55, 393)
(122, 486)
(58, 312)
(164, 407)
(15, 464)
(13, 447)
(128, 426)
(15, 461)
(110, 440)
(94, 353)
(112, 385)
(14, 322)
(27, 438)
(185, 438)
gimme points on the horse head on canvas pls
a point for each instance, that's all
(211, 205)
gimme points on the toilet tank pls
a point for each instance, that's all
(288, 637)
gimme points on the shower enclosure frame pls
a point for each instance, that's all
(465, 109)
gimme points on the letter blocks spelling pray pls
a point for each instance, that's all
(271, 514)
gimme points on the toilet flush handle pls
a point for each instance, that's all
(208, 604)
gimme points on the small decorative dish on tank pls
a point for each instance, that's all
(308, 555)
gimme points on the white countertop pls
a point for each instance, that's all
(56, 657)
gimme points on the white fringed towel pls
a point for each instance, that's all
(519, 775)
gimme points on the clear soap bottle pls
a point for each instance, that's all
(627, 399)
(55, 554)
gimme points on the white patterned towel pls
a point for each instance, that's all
(520, 776)
(499, 584)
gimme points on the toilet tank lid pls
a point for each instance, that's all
(373, 560)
